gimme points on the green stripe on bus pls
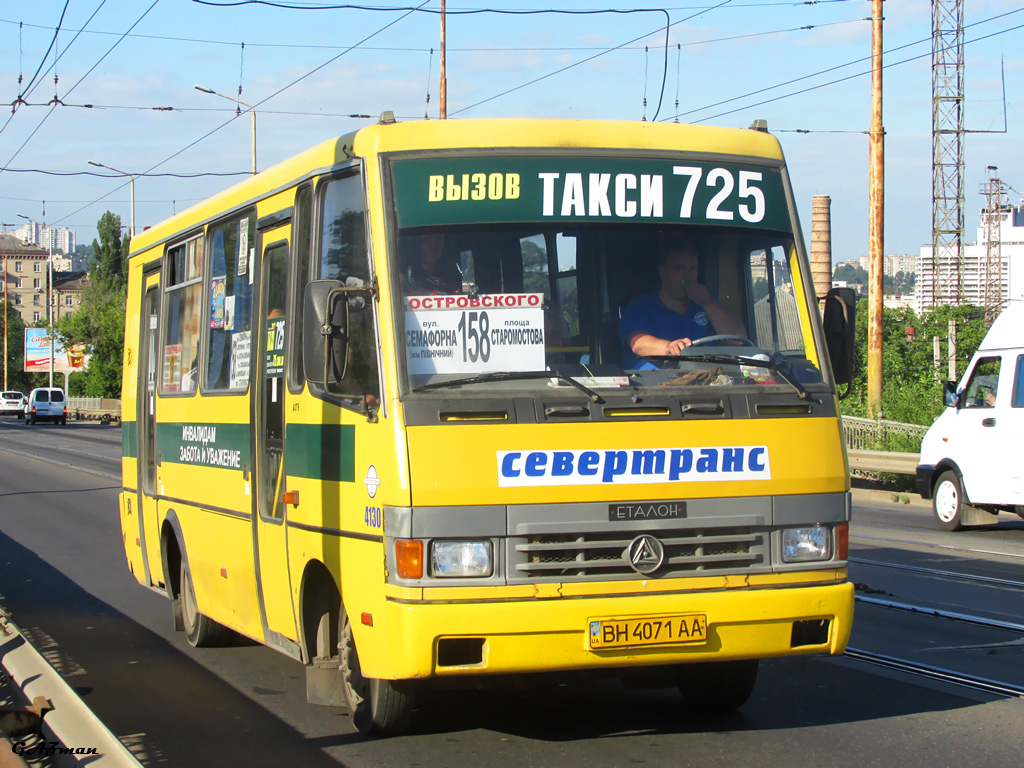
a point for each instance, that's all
(321, 451)
(129, 442)
(205, 445)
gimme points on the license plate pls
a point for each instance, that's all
(648, 630)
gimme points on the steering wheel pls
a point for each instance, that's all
(722, 338)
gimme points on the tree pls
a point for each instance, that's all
(16, 376)
(912, 387)
(110, 254)
(99, 321)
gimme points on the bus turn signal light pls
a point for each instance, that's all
(842, 540)
(409, 557)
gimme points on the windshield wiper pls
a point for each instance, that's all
(777, 362)
(483, 378)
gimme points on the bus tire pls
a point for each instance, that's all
(948, 502)
(718, 687)
(201, 630)
(377, 707)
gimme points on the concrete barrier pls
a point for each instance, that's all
(70, 730)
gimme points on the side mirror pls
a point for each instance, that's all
(949, 395)
(840, 327)
(324, 332)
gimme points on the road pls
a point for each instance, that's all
(62, 573)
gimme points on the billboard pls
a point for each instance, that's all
(37, 353)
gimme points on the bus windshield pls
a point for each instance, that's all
(609, 305)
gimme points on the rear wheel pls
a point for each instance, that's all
(377, 707)
(718, 687)
(201, 630)
(948, 502)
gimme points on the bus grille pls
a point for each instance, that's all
(596, 555)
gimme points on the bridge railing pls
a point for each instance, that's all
(876, 445)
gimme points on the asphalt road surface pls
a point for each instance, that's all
(62, 573)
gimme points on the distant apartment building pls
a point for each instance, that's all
(34, 233)
(1007, 271)
(893, 265)
(24, 270)
(24, 279)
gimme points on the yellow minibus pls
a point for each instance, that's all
(479, 398)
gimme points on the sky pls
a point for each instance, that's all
(314, 73)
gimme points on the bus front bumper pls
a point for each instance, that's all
(488, 637)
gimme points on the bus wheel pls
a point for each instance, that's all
(948, 502)
(377, 707)
(718, 687)
(201, 630)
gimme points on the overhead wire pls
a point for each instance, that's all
(257, 104)
(850, 77)
(826, 71)
(73, 87)
(53, 42)
(450, 49)
(668, 25)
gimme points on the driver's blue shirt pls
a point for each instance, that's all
(648, 314)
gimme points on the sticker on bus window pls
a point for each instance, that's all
(240, 355)
(464, 334)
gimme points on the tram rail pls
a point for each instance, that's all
(940, 674)
(972, 577)
(946, 547)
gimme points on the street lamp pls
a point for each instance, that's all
(238, 111)
(49, 298)
(131, 187)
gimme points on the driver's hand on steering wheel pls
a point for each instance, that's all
(676, 347)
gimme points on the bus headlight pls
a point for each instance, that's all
(461, 559)
(801, 545)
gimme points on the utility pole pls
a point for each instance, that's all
(876, 205)
(993, 217)
(444, 70)
(952, 350)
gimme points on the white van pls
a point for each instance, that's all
(971, 455)
(46, 404)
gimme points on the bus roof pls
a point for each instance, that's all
(485, 133)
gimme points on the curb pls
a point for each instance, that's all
(71, 725)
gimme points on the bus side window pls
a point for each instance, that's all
(183, 294)
(302, 229)
(229, 333)
(344, 257)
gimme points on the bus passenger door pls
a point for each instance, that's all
(149, 366)
(270, 489)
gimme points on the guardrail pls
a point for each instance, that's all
(105, 409)
(870, 444)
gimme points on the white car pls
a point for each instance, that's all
(46, 404)
(12, 403)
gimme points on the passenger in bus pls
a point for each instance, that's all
(668, 320)
(422, 272)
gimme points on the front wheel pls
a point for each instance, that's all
(948, 502)
(718, 687)
(377, 707)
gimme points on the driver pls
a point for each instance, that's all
(665, 321)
